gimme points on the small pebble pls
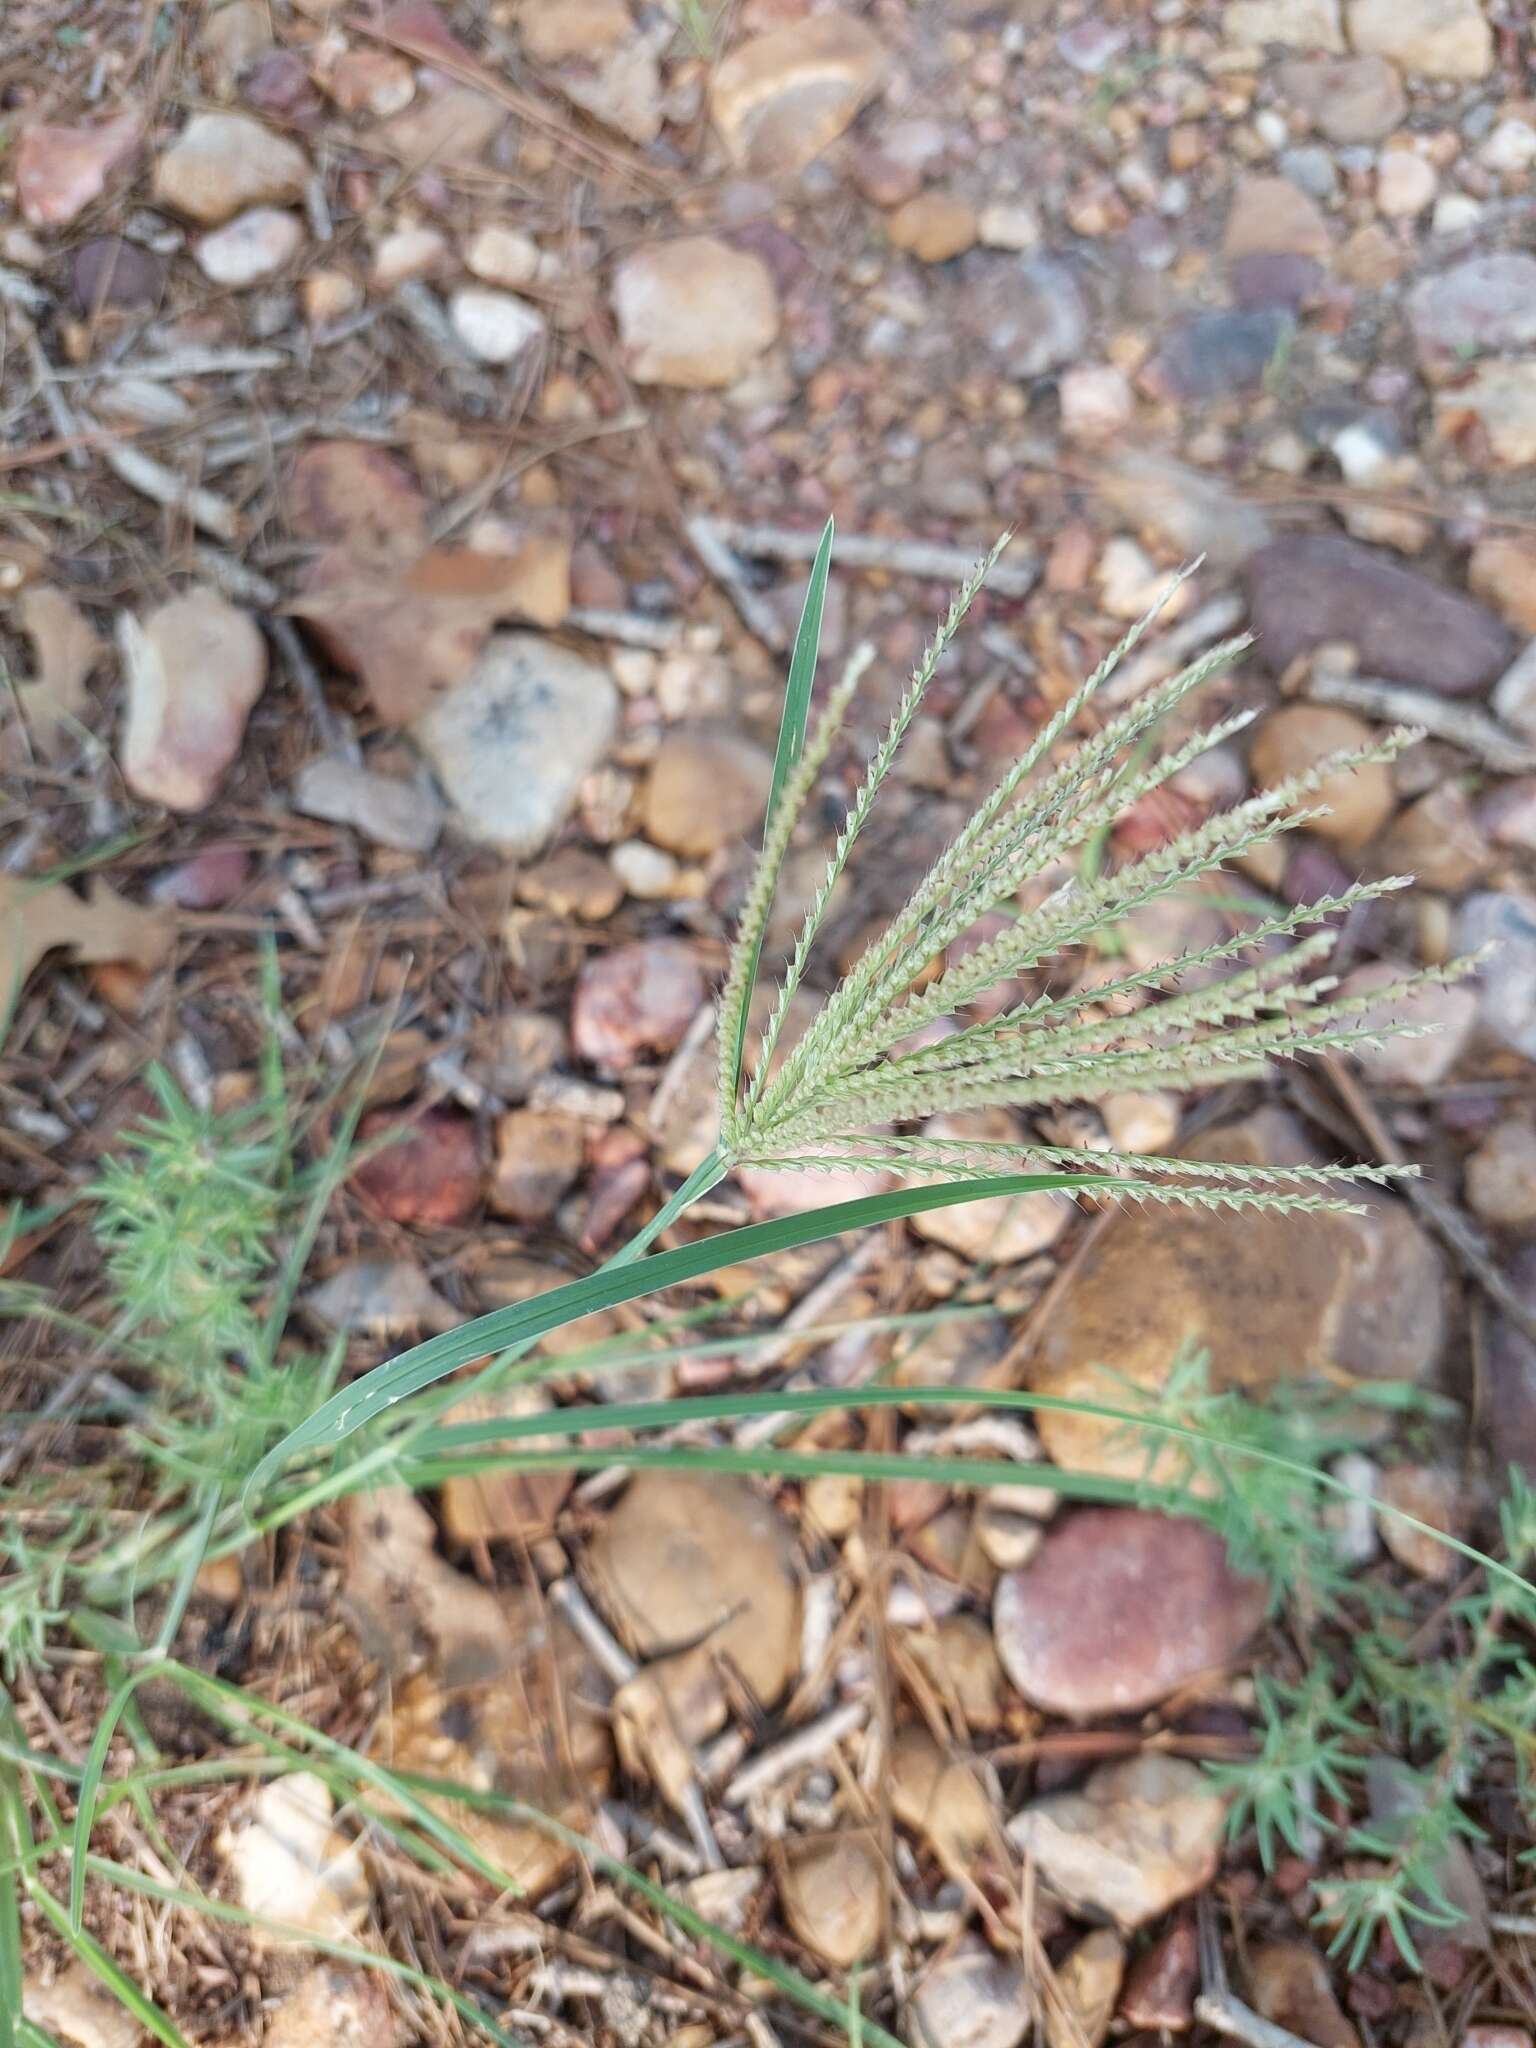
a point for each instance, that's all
(502, 256)
(1405, 184)
(494, 326)
(646, 871)
(251, 247)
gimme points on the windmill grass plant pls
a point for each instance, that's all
(227, 1430)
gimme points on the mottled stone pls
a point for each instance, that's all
(250, 248)
(1311, 589)
(636, 999)
(694, 312)
(1217, 355)
(60, 171)
(1136, 1839)
(1349, 99)
(1445, 1017)
(1492, 415)
(1273, 1298)
(511, 743)
(1503, 921)
(779, 98)
(1484, 305)
(1031, 315)
(972, 1998)
(194, 669)
(1274, 217)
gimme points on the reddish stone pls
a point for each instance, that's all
(1370, 1997)
(1160, 1986)
(60, 171)
(419, 25)
(636, 999)
(431, 1175)
(280, 84)
(1120, 1607)
(205, 880)
(1310, 588)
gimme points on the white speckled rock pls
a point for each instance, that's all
(253, 246)
(494, 326)
(511, 743)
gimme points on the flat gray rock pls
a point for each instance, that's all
(403, 815)
(512, 742)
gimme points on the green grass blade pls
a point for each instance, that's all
(90, 1787)
(802, 671)
(338, 1418)
(447, 1450)
(10, 1915)
(792, 724)
(773, 1463)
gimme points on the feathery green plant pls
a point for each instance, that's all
(1369, 1706)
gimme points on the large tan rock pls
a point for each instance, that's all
(1088, 1978)
(1298, 738)
(595, 54)
(831, 1891)
(1502, 571)
(1299, 24)
(488, 1690)
(79, 2010)
(1273, 1299)
(780, 98)
(1288, 1983)
(333, 2006)
(222, 163)
(695, 313)
(1138, 1837)
(706, 789)
(1434, 38)
(697, 1557)
(291, 1864)
(194, 668)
